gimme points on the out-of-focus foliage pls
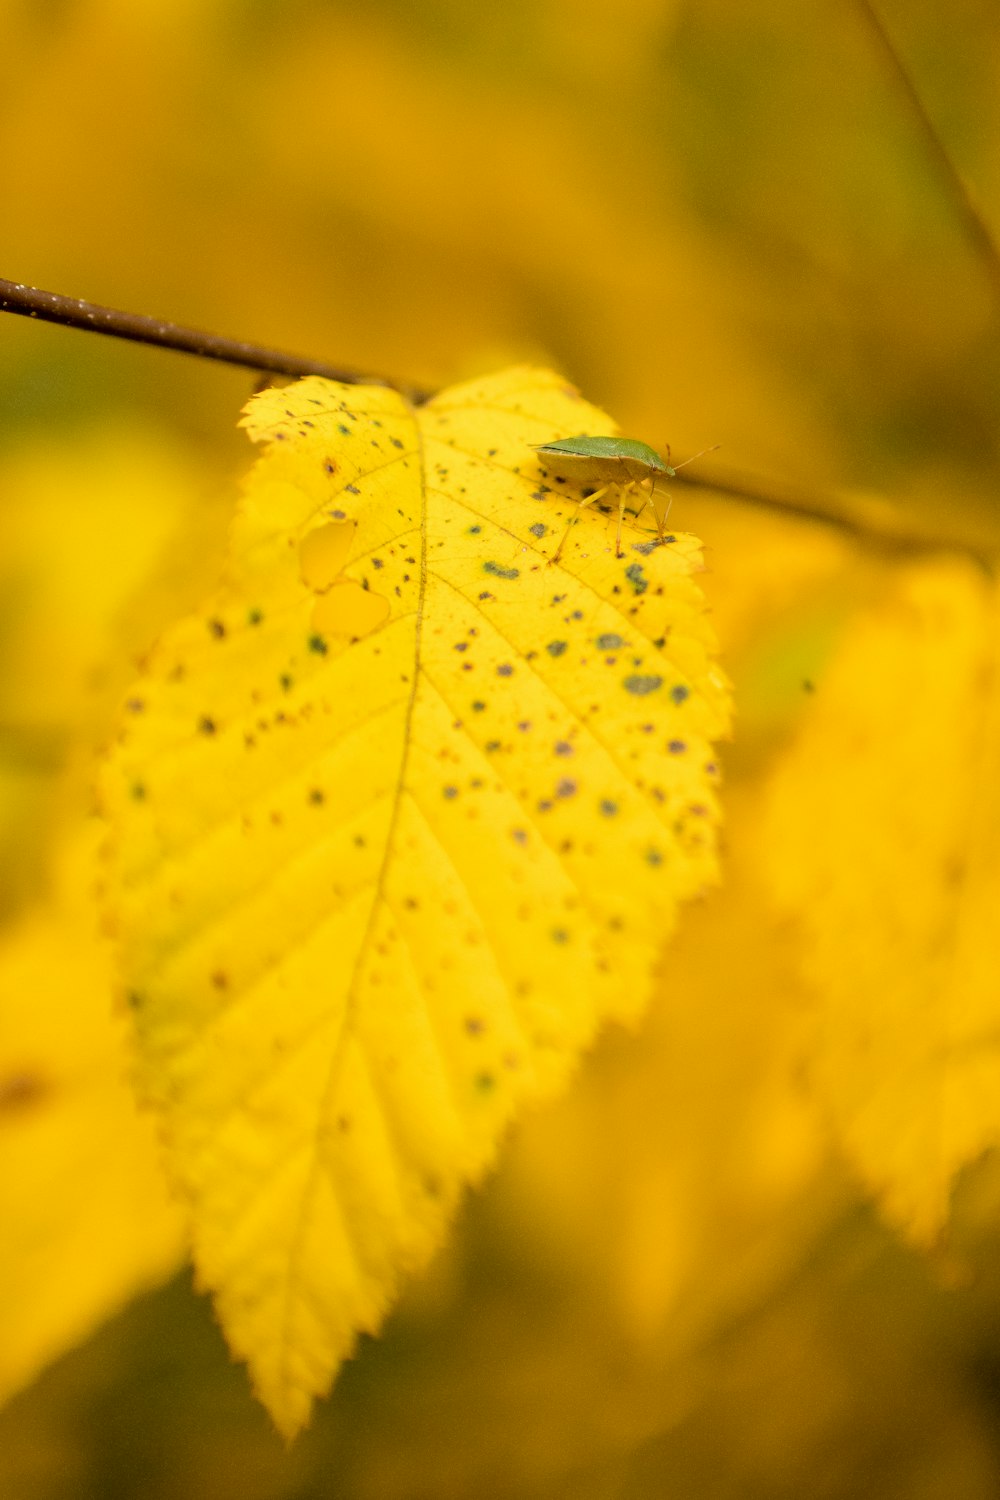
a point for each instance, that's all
(884, 837)
(87, 1216)
(725, 227)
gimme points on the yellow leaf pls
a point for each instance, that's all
(884, 841)
(394, 828)
(86, 1215)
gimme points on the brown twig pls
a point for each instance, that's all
(864, 520)
(976, 229)
(73, 312)
(871, 522)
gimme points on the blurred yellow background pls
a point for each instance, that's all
(724, 225)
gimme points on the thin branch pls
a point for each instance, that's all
(867, 521)
(73, 312)
(977, 231)
(870, 522)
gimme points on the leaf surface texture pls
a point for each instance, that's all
(397, 819)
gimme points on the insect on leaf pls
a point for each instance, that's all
(397, 819)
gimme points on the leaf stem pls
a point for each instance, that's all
(73, 312)
(976, 229)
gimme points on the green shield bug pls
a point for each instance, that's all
(613, 463)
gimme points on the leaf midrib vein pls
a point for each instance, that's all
(350, 1003)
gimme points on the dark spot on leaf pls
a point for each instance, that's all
(556, 648)
(316, 796)
(679, 692)
(563, 747)
(135, 705)
(645, 547)
(217, 629)
(637, 578)
(505, 669)
(286, 681)
(519, 835)
(677, 747)
(318, 645)
(642, 685)
(474, 530)
(566, 787)
(608, 808)
(352, 489)
(478, 706)
(20, 1090)
(610, 642)
(206, 725)
(220, 980)
(475, 1025)
(500, 572)
(485, 1082)
(654, 857)
(560, 935)
(255, 616)
(138, 791)
(539, 529)
(449, 792)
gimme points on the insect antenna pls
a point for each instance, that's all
(714, 449)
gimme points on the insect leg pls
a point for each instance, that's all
(661, 521)
(572, 520)
(649, 479)
(624, 491)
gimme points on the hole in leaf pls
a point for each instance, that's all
(348, 609)
(323, 553)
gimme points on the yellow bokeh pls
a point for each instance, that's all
(725, 225)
